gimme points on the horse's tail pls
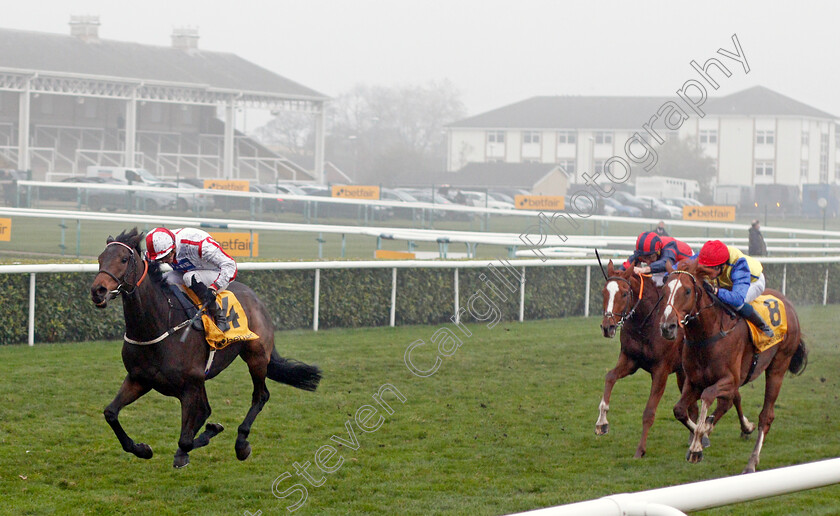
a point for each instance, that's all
(294, 373)
(799, 360)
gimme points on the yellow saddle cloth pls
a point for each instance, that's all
(237, 320)
(772, 310)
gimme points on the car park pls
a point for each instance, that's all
(129, 200)
(618, 209)
(661, 210)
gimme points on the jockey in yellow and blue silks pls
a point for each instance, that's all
(740, 279)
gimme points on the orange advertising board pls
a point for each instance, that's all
(5, 230)
(238, 244)
(236, 185)
(709, 213)
(540, 202)
(370, 193)
(393, 255)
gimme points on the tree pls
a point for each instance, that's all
(684, 158)
(377, 134)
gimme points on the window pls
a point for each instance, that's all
(569, 165)
(566, 137)
(530, 137)
(803, 169)
(708, 136)
(765, 137)
(495, 137)
(764, 169)
(805, 137)
(599, 166)
(603, 137)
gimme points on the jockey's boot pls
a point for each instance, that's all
(749, 313)
(208, 298)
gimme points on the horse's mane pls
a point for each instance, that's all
(132, 238)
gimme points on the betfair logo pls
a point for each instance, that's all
(370, 193)
(709, 213)
(5, 230)
(227, 184)
(540, 202)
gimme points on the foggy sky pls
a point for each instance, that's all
(495, 51)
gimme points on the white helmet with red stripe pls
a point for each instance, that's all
(159, 243)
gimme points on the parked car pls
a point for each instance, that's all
(619, 209)
(631, 200)
(482, 200)
(112, 200)
(192, 198)
(288, 189)
(660, 209)
(389, 194)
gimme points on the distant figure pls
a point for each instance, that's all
(757, 245)
(660, 229)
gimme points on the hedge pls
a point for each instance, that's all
(352, 298)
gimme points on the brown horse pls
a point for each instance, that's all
(718, 356)
(633, 303)
(160, 354)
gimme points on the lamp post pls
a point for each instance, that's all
(822, 203)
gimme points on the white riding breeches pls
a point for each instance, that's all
(206, 277)
(756, 289)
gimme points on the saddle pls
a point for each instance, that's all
(772, 310)
(238, 321)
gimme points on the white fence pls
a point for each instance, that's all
(317, 266)
(674, 500)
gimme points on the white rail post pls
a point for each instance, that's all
(31, 308)
(586, 295)
(784, 278)
(393, 295)
(317, 303)
(457, 300)
(825, 287)
(522, 296)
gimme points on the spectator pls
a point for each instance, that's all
(660, 229)
(757, 245)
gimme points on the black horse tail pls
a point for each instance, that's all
(294, 373)
(799, 360)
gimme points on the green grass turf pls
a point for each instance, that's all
(506, 424)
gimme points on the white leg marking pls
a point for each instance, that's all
(673, 286)
(612, 288)
(602, 413)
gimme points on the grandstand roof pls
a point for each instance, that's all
(64, 54)
(577, 112)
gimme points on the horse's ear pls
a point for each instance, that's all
(109, 240)
(610, 268)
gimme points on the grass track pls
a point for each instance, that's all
(506, 424)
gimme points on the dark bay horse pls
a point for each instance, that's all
(633, 303)
(718, 356)
(159, 360)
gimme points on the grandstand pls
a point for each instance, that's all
(86, 101)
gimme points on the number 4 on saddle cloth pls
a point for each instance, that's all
(773, 311)
(235, 314)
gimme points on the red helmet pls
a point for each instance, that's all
(648, 243)
(159, 243)
(713, 253)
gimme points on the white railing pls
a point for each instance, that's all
(394, 265)
(675, 500)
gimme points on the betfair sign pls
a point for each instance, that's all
(709, 213)
(540, 202)
(370, 193)
(238, 244)
(227, 184)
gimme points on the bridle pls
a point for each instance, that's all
(696, 308)
(625, 315)
(123, 286)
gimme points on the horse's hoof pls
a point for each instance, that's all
(694, 457)
(143, 450)
(746, 436)
(602, 429)
(748, 469)
(243, 453)
(639, 454)
(181, 460)
(705, 442)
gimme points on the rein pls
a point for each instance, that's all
(698, 296)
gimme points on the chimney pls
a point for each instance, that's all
(85, 27)
(185, 38)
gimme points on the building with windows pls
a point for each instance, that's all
(755, 136)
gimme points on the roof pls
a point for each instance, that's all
(575, 112)
(511, 175)
(45, 52)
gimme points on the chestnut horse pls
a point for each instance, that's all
(718, 356)
(633, 303)
(159, 355)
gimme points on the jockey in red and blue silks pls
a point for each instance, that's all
(655, 251)
(740, 279)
